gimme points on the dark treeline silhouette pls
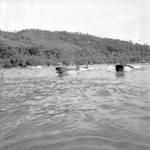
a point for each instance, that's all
(38, 47)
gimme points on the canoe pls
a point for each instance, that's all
(61, 70)
(121, 68)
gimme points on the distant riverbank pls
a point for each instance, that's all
(37, 47)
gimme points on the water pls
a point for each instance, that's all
(94, 110)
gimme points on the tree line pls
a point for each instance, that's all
(37, 47)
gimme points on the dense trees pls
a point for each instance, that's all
(37, 47)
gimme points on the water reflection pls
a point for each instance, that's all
(120, 74)
(61, 75)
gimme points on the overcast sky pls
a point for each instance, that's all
(119, 19)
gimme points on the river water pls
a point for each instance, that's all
(93, 110)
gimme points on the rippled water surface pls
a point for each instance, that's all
(93, 110)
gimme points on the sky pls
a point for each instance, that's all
(118, 19)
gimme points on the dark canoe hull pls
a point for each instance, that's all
(61, 70)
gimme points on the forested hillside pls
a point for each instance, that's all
(38, 47)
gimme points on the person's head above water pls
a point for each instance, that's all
(119, 68)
